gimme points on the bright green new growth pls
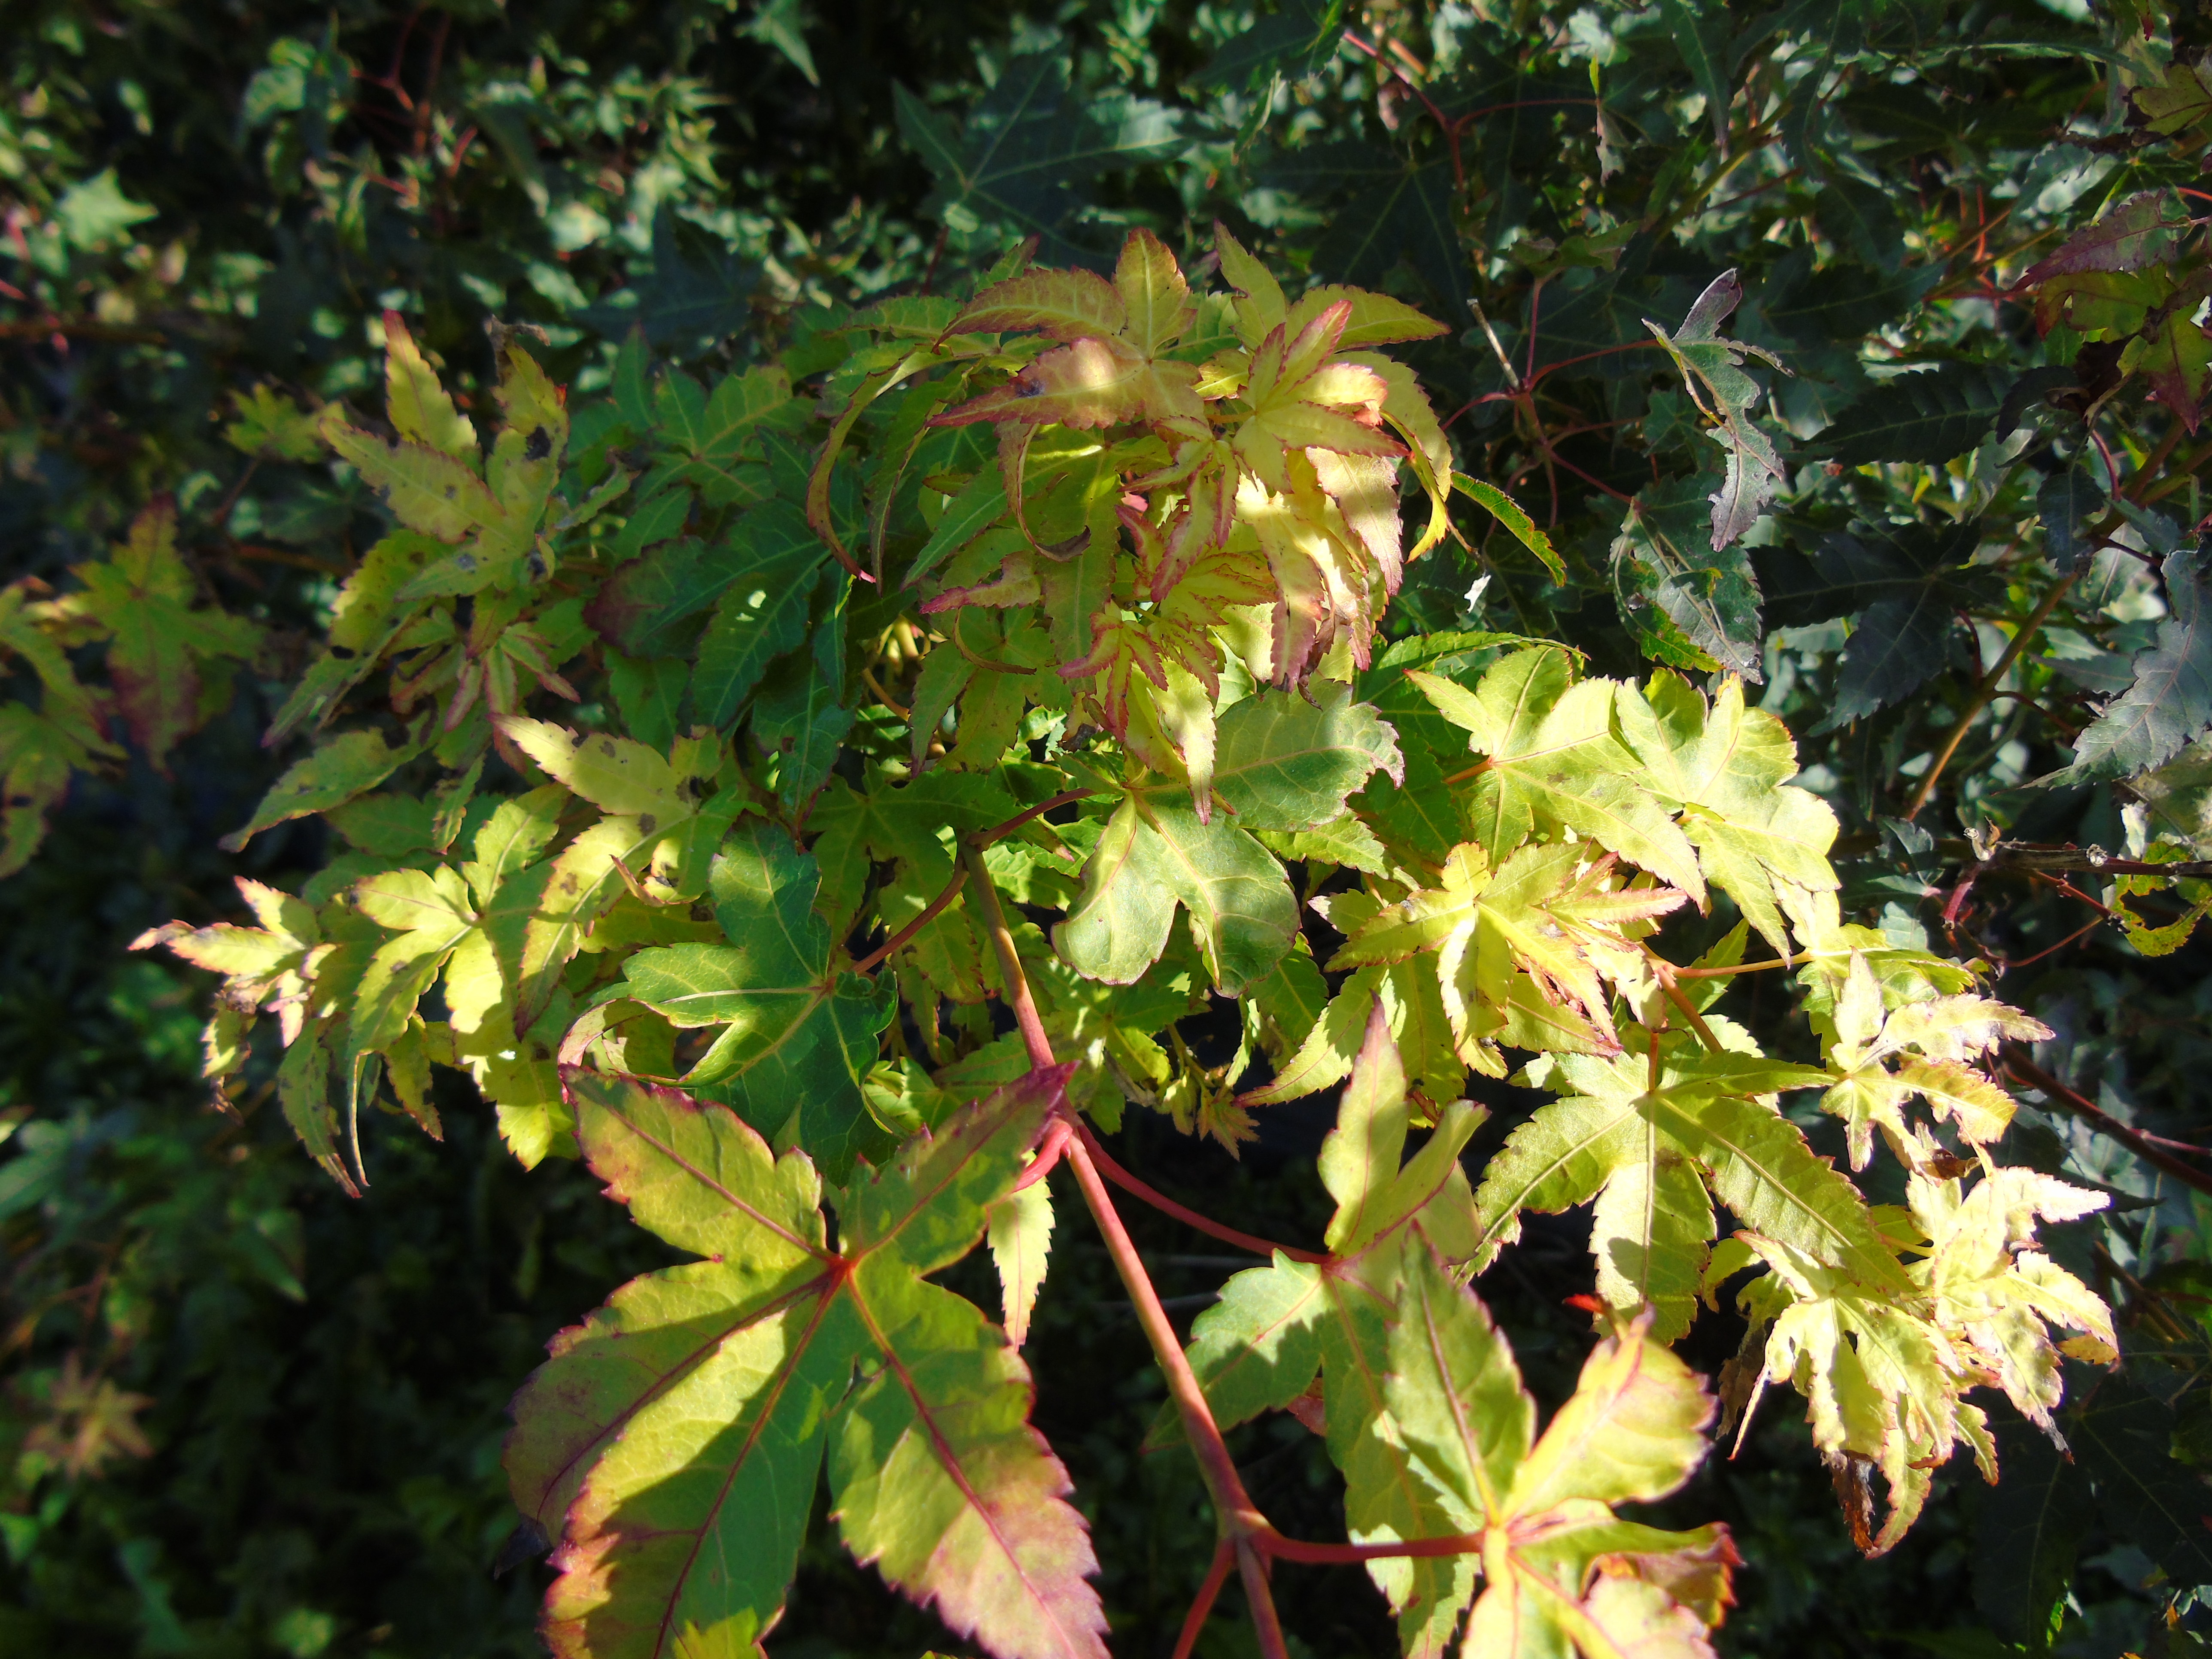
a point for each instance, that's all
(1065, 597)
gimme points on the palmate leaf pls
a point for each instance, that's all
(1707, 359)
(1689, 605)
(1562, 1574)
(1551, 919)
(1284, 763)
(1425, 1413)
(674, 1442)
(161, 643)
(797, 1038)
(1697, 1124)
(2170, 699)
(1030, 146)
(352, 764)
(1383, 208)
(1886, 1375)
(1156, 854)
(1550, 756)
(1927, 418)
(1260, 1348)
(1727, 768)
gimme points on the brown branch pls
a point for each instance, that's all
(2080, 1105)
(1066, 797)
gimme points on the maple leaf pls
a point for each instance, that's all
(288, 967)
(1112, 368)
(1302, 395)
(1551, 757)
(436, 481)
(1928, 1042)
(1550, 916)
(796, 1037)
(1647, 1134)
(1753, 470)
(142, 600)
(1999, 1296)
(1154, 854)
(1726, 769)
(2145, 230)
(1884, 1377)
(1423, 1409)
(87, 1422)
(445, 919)
(674, 1442)
(651, 814)
(1562, 1573)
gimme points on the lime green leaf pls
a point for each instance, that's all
(1360, 1157)
(1283, 763)
(1551, 756)
(722, 1369)
(1509, 513)
(415, 404)
(430, 491)
(271, 423)
(1255, 1350)
(1455, 1394)
(1727, 769)
(303, 1089)
(618, 775)
(1020, 1237)
(350, 764)
(1156, 855)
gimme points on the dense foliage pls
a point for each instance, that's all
(687, 727)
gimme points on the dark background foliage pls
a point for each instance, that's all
(244, 1414)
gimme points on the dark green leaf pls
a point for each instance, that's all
(1027, 147)
(694, 293)
(1927, 417)
(2024, 1548)
(2171, 700)
(1384, 209)
(2124, 1438)
(1663, 563)
(762, 610)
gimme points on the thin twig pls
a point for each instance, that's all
(1066, 797)
(1980, 700)
(1742, 968)
(929, 913)
(2080, 1105)
(1224, 1556)
(1182, 1213)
